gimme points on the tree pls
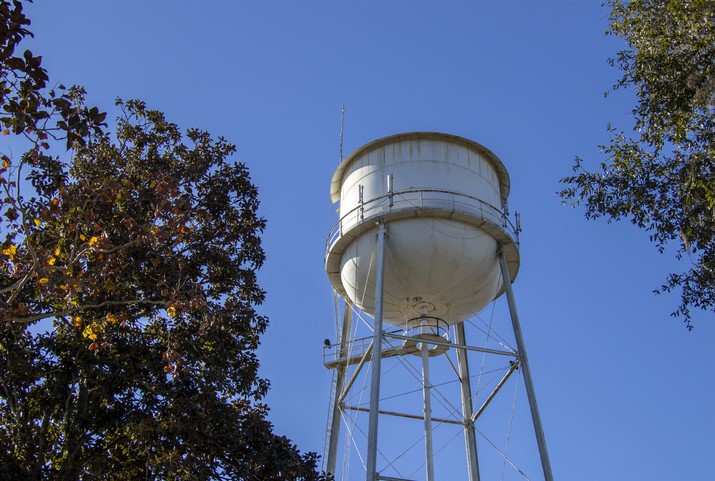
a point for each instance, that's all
(128, 291)
(662, 177)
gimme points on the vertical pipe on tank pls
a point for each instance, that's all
(376, 357)
(523, 361)
(389, 187)
(339, 384)
(470, 436)
(426, 394)
(361, 196)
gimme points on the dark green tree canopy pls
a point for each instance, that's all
(661, 177)
(128, 293)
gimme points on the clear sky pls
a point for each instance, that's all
(625, 392)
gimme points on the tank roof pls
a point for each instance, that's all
(501, 171)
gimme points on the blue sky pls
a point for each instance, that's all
(625, 391)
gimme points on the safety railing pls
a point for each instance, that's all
(422, 199)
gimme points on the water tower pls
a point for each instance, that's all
(422, 244)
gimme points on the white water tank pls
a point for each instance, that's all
(441, 199)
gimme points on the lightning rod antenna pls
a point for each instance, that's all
(342, 124)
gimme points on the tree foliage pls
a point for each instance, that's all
(662, 176)
(128, 291)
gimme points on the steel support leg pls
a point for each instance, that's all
(470, 437)
(376, 358)
(526, 371)
(337, 412)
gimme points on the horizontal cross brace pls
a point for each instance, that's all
(356, 355)
(403, 415)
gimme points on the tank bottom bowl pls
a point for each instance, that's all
(437, 267)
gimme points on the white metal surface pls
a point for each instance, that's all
(409, 147)
(442, 196)
(465, 384)
(526, 372)
(427, 398)
(423, 242)
(336, 409)
(446, 267)
(371, 468)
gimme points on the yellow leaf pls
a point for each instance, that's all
(43, 281)
(171, 311)
(77, 321)
(10, 251)
(82, 237)
(5, 132)
(51, 261)
(5, 163)
(37, 222)
(57, 250)
(93, 240)
(89, 333)
(92, 330)
(111, 318)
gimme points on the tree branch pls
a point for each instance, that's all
(101, 305)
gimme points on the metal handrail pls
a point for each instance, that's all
(361, 211)
(356, 347)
